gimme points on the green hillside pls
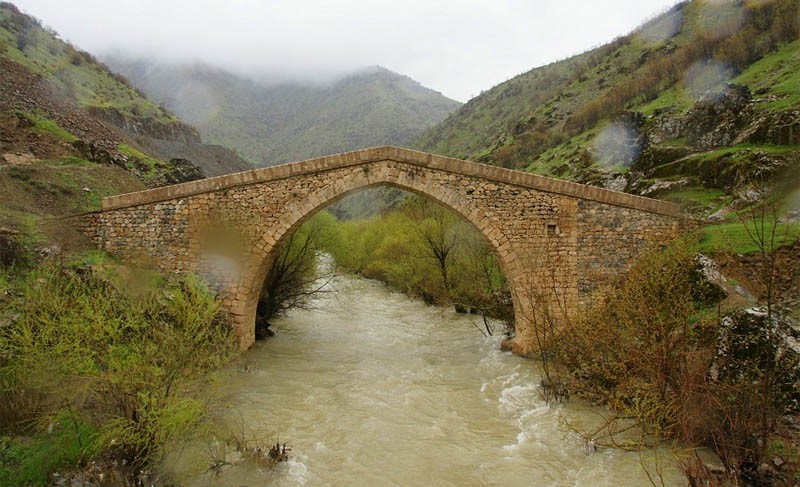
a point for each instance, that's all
(76, 78)
(77, 74)
(692, 106)
(270, 123)
(72, 132)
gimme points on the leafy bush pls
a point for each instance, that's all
(123, 353)
(626, 346)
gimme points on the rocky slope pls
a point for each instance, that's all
(76, 78)
(38, 124)
(699, 105)
(56, 160)
(270, 123)
(71, 132)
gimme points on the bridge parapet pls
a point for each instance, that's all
(397, 154)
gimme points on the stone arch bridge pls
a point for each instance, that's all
(556, 240)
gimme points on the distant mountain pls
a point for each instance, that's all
(691, 107)
(271, 123)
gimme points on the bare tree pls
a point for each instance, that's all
(436, 228)
(764, 230)
(295, 275)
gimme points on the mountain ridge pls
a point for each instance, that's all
(271, 123)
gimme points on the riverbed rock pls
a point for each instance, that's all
(708, 281)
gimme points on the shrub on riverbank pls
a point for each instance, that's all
(425, 250)
(110, 361)
(296, 274)
(653, 349)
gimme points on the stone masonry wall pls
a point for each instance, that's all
(547, 234)
(611, 237)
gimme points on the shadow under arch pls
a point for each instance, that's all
(302, 209)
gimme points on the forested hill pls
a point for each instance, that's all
(270, 123)
(690, 106)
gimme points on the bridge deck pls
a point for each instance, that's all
(397, 154)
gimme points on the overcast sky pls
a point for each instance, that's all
(457, 47)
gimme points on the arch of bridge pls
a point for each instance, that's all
(383, 173)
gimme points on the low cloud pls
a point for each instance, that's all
(457, 47)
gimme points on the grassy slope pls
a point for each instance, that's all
(77, 78)
(54, 180)
(34, 196)
(76, 73)
(541, 101)
(484, 122)
(525, 122)
(775, 81)
(538, 101)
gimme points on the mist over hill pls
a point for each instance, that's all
(270, 123)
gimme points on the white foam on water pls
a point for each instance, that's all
(298, 471)
(522, 437)
(517, 400)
